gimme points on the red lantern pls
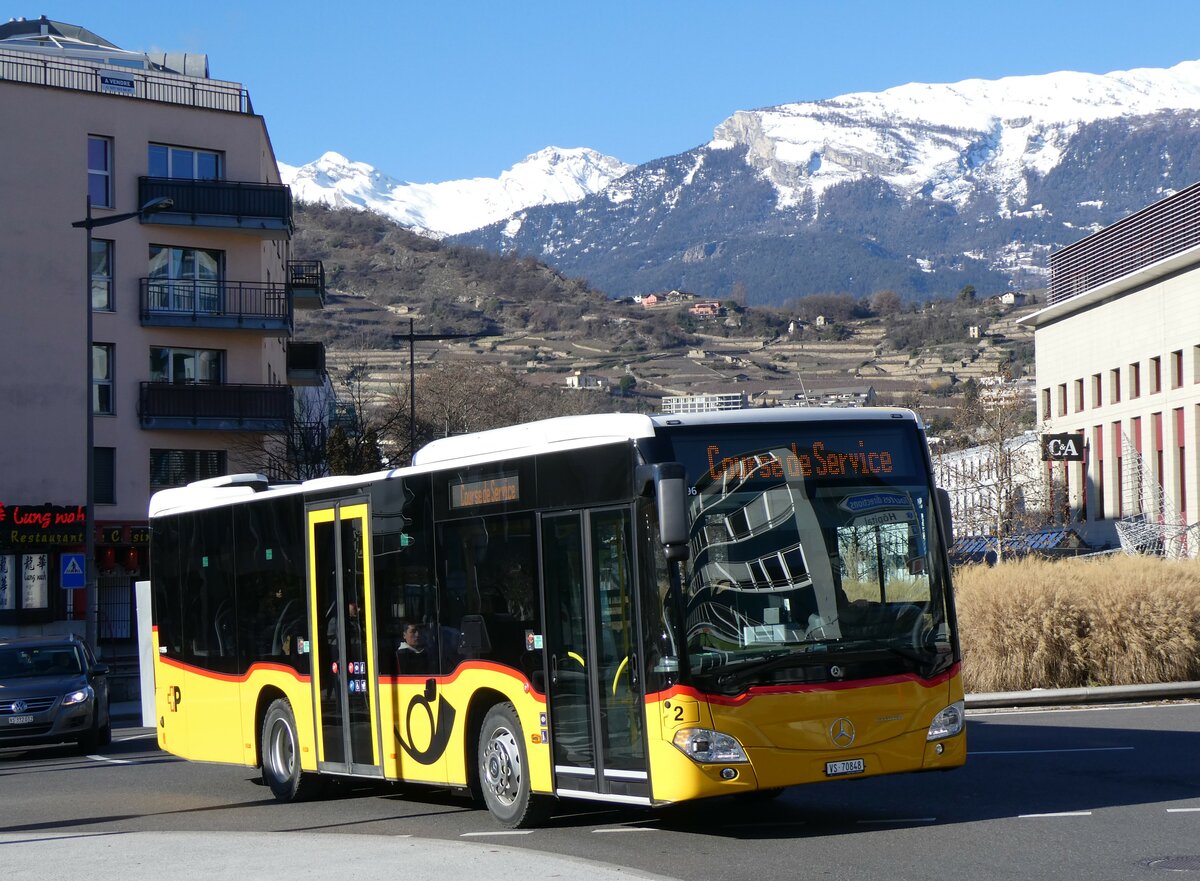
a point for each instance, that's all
(106, 558)
(131, 561)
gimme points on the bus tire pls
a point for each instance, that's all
(503, 768)
(280, 753)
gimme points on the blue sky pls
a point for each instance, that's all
(438, 91)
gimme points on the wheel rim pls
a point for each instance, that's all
(502, 766)
(282, 753)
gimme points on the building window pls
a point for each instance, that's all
(102, 379)
(24, 581)
(104, 475)
(185, 279)
(1098, 446)
(1155, 375)
(170, 468)
(172, 364)
(1062, 399)
(1045, 403)
(1135, 380)
(184, 163)
(1195, 364)
(1078, 395)
(1114, 385)
(102, 275)
(100, 171)
(1177, 369)
(1181, 464)
(1119, 454)
(1097, 394)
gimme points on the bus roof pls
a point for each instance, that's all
(543, 436)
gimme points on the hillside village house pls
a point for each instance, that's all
(190, 316)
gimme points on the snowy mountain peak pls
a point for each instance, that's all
(548, 176)
(946, 140)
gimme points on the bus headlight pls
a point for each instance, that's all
(948, 722)
(705, 746)
(78, 697)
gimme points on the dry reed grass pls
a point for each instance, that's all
(1113, 620)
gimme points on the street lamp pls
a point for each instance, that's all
(161, 203)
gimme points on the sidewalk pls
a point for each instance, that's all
(296, 856)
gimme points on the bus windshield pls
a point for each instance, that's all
(813, 549)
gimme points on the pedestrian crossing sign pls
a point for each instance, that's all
(74, 571)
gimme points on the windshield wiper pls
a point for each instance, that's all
(822, 652)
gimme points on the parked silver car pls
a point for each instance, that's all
(52, 690)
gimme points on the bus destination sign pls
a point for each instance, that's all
(491, 491)
(808, 460)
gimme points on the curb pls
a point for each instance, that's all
(1108, 694)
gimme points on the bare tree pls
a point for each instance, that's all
(996, 483)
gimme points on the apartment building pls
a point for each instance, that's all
(143, 185)
(1118, 372)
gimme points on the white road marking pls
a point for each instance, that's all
(1036, 752)
(114, 761)
(497, 832)
(1183, 810)
(1057, 814)
(626, 829)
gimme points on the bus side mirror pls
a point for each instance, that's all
(669, 480)
(945, 516)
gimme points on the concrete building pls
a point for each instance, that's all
(1118, 368)
(704, 403)
(191, 307)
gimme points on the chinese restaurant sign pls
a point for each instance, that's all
(26, 525)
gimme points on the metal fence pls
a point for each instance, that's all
(147, 85)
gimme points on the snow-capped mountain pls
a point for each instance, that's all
(552, 175)
(944, 142)
(920, 188)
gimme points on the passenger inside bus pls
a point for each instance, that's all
(413, 654)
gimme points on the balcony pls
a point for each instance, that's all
(215, 407)
(305, 363)
(306, 282)
(264, 209)
(262, 307)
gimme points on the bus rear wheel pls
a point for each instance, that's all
(281, 755)
(504, 770)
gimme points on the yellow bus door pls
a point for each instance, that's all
(595, 701)
(343, 643)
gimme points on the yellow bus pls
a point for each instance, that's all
(623, 608)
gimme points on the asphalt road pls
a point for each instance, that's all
(1082, 793)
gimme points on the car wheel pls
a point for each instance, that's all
(96, 736)
(280, 753)
(504, 770)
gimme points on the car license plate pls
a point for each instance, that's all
(849, 766)
(19, 720)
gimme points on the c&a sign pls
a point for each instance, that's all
(1062, 448)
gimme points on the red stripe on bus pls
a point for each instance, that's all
(755, 691)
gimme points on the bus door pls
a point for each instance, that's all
(594, 691)
(343, 644)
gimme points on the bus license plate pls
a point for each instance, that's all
(19, 720)
(849, 766)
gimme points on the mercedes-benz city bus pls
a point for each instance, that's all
(623, 608)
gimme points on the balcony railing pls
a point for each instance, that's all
(219, 407)
(305, 362)
(82, 76)
(306, 281)
(234, 305)
(262, 208)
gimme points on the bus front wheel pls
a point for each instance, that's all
(281, 755)
(504, 770)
